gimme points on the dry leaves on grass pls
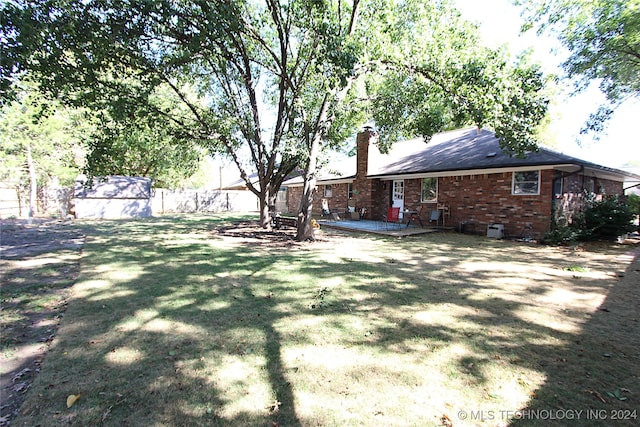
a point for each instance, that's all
(274, 407)
(72, 399)
(446, 421)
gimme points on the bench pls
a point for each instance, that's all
(281, 221)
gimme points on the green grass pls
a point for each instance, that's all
(173, 323)
(32, 289)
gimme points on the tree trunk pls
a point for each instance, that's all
(305, 227)
(33, 185)
(265, 217)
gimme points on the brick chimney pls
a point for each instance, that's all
(366, 190)
(364, 138)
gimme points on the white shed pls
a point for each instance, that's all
(113, 197)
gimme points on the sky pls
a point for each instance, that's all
(500, 23)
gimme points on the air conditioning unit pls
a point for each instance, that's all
(495, 231)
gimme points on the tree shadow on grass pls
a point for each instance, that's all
(559, 352)
(595, 377)
(140, 348)
(167, 328)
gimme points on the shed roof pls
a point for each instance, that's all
(113, 187)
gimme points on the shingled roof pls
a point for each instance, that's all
(466, 151)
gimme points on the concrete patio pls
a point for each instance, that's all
(378, 227)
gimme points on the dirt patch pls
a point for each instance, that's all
(38, 264)
(250, 232)
(19, 239)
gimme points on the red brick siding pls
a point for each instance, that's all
(572, 200)
(481, 200)
(337, 201)
(475, 200)
(579, 183)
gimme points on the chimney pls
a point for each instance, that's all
(366, 188)
(363, 140)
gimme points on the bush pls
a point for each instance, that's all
(608, 218)
(562, 235)
(604, 219)
(634, 203)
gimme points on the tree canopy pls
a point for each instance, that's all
(275, 82)
(141, 144)
(603, 39)
(45, 129)
(39, 144)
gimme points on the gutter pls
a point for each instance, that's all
(574, 173)
(632, 186)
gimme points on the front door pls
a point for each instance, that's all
(397, 195)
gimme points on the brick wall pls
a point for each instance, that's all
(473, 200)
(480, 200)
(579, 183)
(573, 199)
(337, 202)
(367, 192)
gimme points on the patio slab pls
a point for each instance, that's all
(377, 227)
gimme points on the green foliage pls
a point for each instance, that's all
(562, 235)
(603, 38)
(50, 131)
(272, 84)
(607, 218)
(142, 143)
(66, 141)
(634, 203)
(445, 80)
(575, 268)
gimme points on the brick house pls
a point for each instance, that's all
(467, 177)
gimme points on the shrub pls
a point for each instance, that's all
(634, 203)
(601, 219)
(609, 217)
(562, 235)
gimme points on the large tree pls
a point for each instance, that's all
(276, 82)
(603, 40)
(142, 143)
(39, 143)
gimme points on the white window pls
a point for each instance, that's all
(429, 190)
(526, 183)
(328, 191)
(350, 191)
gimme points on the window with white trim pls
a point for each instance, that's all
(526, 183)
(328, 191)
(350, 191)
(429, 190)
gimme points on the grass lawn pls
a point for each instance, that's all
(179, 321)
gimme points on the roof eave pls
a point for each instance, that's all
(338, 180)
(460, 172)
